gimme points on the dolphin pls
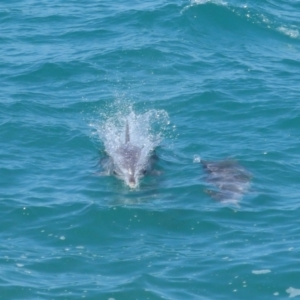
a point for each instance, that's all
(231, 180)
(129, 162)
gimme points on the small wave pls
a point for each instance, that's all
(259, 16)
(201, 2)
(293, 33)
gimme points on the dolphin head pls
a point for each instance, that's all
(132, 182)
(126, 164)
(130, 175)
(127, 174)
(128, 160)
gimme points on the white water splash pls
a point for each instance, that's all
(146, 133)
(197, 159)
(293, 292)
(293, 33)
(199, 2)
(260, 272)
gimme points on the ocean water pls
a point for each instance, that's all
(225, 77)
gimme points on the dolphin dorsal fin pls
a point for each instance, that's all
(127, 136)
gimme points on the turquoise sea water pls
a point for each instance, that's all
(226, 75)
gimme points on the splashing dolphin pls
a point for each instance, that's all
(231, 180)
(129, 162)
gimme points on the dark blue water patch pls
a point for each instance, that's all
(89, 36)
(224, 18)
(53, 73)
(165, 14)
(4, 17)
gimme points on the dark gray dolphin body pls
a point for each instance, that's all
(128, 157)
(229, 178)
(128, 162)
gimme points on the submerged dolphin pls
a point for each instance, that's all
(128, 162)
(229, 178)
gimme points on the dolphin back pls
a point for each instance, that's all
(127, 136)
(229, 178)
